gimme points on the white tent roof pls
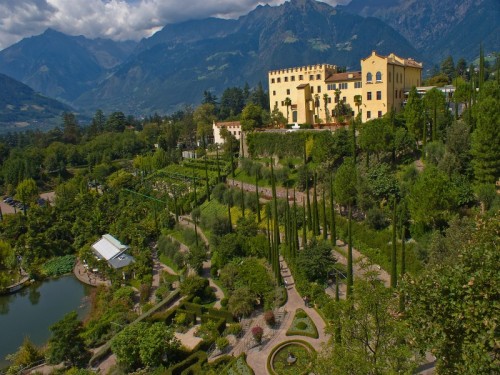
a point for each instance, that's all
(109, 247)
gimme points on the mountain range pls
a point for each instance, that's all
(173, 67)
(22, 107)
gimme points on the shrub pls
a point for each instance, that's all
(222, 343)
(181, 318)
(269, 318)
(301, 314)
(257, 333)
(234, 329)
(224, 302)
(301, 325)
(197, 300)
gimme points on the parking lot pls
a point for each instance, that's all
(13, 207)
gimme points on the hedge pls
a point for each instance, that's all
(309, 330)
(198, 357)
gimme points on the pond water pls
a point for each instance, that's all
(31, 311)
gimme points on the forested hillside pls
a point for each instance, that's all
(392, 223)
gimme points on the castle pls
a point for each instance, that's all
(320, 93)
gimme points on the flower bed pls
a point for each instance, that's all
(291, 358)
(302, 325)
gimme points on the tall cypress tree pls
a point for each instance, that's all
(242, 201)
(257, 193)
(394, 275)
(333, 226)
(304, 226)
(276, 226)
(315, 207)
(325, 224)
(309, 213)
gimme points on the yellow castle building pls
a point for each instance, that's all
(310, 94)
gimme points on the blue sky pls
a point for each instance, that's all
(113, 19)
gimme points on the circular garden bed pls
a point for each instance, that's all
(292, 357)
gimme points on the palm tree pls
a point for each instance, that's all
(316, 104)
(357, 101)
(288, 103)
(325, 101)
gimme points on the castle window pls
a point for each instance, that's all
(318, 76)
(379, 113)
(343, 86)
(369, 95)
(301, 77)
(332, 86)
(368, 114)
(286, 79)
(292, 78)
(272, 80)
(279, 80)
(312, 89)
(378, 77)
(288, 91)
(319, 89)
(311, 77)
(369, 78)
(379, 95)
(274, 92)
(357, 85)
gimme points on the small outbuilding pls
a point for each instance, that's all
(112, 251)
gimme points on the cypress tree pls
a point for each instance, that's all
(315, 207)
(229, 217)
(257, 194)
(394, 275)
(206, 171)
(218, 165)
(269, 245)
(304, 226)
(242, 201)
(276, 226)
(295, 226)
(333, 227)
(325, 224)
(309, 214)
(403, 265)
(350, 276)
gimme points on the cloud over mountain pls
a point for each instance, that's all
(113, 19)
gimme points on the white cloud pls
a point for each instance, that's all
(114, 19)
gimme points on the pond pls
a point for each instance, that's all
(31, 311)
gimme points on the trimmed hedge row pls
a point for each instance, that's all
(194, 311)
(195, 360)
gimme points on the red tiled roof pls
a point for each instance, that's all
(347, 76)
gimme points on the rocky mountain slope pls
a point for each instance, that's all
(20, 106)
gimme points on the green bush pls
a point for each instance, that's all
(197, 300)
(234, 329)
(301, 326)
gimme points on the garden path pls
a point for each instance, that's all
(185, 221)
(257, 356)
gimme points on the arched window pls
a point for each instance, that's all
(378, 77)
(369, 77)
